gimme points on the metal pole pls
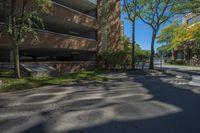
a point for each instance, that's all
(161, 58)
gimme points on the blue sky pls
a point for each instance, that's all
(143, 32)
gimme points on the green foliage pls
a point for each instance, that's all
(185, 33)
(165, 50)
(126, 43)
(167, 34)
(11, 84)
(18, 25)
(19, 22)
(165, 38)
(155, 12)
(175, 62)
(142, 55)
(185, 6)
(111, 59)
(129, 7)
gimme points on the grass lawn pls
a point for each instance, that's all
(12, 84)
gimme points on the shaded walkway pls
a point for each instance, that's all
(128, 103)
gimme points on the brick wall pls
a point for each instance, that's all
(53, 40)
(113, 23)
(67, 14)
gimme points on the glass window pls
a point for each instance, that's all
(198, 18)
(191, 21)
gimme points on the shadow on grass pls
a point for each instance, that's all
(11, 84)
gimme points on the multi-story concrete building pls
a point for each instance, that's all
(74, 31)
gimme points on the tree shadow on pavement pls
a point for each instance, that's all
(186, 120)
(126, 104)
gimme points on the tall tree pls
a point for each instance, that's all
(187, 6)
(19, 21)
(165, 38)
(154, 13)
(129, 7)
(184, 35)
(167, 34)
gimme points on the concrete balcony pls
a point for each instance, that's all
(53, 40)
(80, 5)
(68, 14)
(65, 13)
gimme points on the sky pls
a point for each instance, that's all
(143, 32)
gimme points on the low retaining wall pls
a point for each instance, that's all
(66, 67)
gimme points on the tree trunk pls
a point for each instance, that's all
(133, 44)
(173, 54)
(16, 60)
(151, 65)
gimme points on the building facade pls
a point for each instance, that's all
(185, 51)
(74, 32)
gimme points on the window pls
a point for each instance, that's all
(198, 18)
(191, 21)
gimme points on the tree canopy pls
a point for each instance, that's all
(20, 18)
(184, 34)
(187, 6)
(166, 34)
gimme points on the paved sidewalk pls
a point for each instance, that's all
(129, 103)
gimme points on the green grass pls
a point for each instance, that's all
(12, 84)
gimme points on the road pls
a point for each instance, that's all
(133, 102)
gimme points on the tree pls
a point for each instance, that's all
(167, 34)
(185, 34)
(187, 6)
(141, 55)
(154, 13)
(130, 10)
(165, 38)
(187, 38)
(19, 22)
(126, 43)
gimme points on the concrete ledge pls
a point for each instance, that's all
(1, 84)
(67, 67)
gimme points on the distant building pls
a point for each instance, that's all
(190, 19)
(185, 52)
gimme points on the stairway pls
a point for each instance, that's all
(39, 70)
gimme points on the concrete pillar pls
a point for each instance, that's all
(11, 56)
(109, 23)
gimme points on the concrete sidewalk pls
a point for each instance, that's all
(128, 103)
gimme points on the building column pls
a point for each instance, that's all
(109, 23)
(11, 56)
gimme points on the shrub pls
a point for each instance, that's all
(111, 59)
(175, 62)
